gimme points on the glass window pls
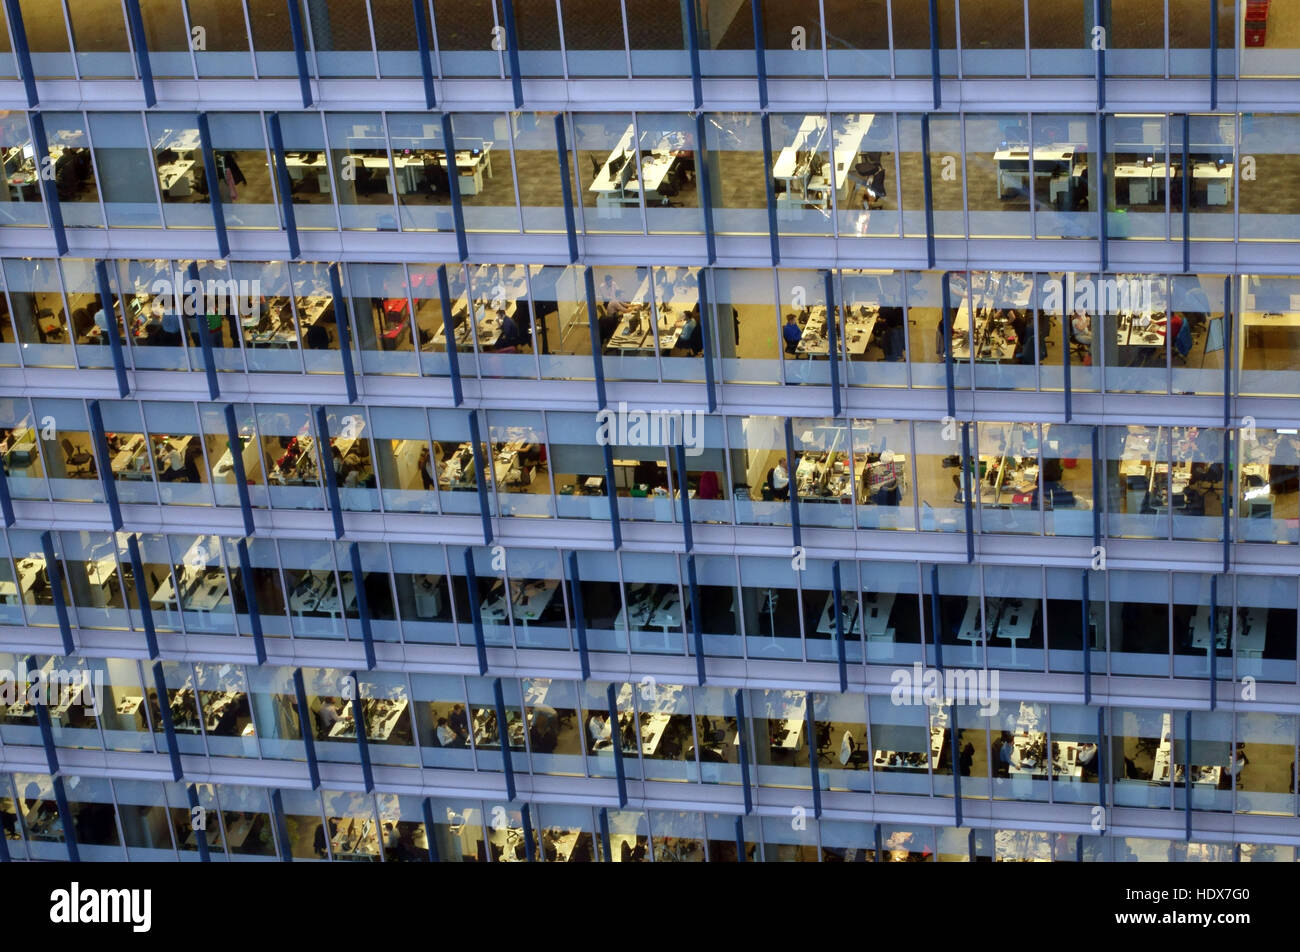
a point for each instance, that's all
(363, 170)
(307, 166)
(595, 41)
(1013, 607)
(290, 453)
(770, 603)
(602, 601)
(119, 153)
(21, 195)
(454, 458)
(47, 38)
(1060, 38)
(857, 38)
(272, 38)
(911, 33)
(21, 451)
(1211, 148)
(824, 472)
(423, 188)
(538, 164)
(504, 328)
(167, 36)
(1139, 169)
(246, 819)
(1267, 143)
(316, 599)
(225, 49)
(275, 711)
(68, 450)
(484, 173)
(609, 161)
(1266, 341)
(442, 722)
(340, 36)
(519, 464)
(1074, 762)
(1262, 764)
(178, 163)
(734, 154)
(842, 742)
(993, 39)
(658, 38)
(865, 170)
(128, 173)
(305, 825)
(653, 609)
(39, 312)
(1066, 619)
(745, 296)
(668, 183)
(142, 808)
(404, 834)
(804, 174)
(939, 477)
(1135, 41)
(243, 173)
(1139, 622)
(1265, 623)
(562, 322)
(381, 314)
(998, 177)
(726, 38)
(567, 834)
(471, 41)
(760, 470)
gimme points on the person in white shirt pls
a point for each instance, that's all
(446, 736)
(598, 728)
(779, 479)
(328, 715)
(173, 464)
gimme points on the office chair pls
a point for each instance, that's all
(79, 462)
(824, 743)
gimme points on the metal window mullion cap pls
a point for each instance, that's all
(214, 191)
(579, 616)
(300, 51)
(237, 466)
(343, 321)
(327, 470)
(250, 601)
(48, 188)
(140, 43)
(169, 727)
(205, 335)
(284, 186)
(114, 341)
(616, 743)
(503, 735)
(363, 605)
(306, 728)
(104, 463)
(419, 8)
(55, 575)
(363, 742)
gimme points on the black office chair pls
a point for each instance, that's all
(79, 462)
(595, 166)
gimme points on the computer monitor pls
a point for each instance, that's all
(29, 152)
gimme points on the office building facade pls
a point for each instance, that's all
(572, 430)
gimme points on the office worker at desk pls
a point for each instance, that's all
(328, 715)
(446, 736)
(609, 290)
(599, 729)
(779, 479)
(791, 333)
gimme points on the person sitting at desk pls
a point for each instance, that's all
(171, 464)
(599, 730)
(609, 290)
(689, 337)
(1081, 329)
(428, 475)
(327, 716)
(778, 479)
(458, 722)
(616, 307)
(708, 486)
(510, 338)
(791, 333)
(170, 335)
(446, 736)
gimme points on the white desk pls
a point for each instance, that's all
(1055, 162)
(383, 715)
(1251, 632)
(848, 614)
